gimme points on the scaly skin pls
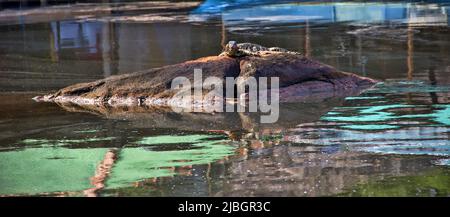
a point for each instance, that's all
(233, 49)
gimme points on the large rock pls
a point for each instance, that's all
(299, 77)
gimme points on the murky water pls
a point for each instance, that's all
(392, 140)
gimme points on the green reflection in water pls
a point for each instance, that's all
(440, 115)
(367, 113)
(388, 128)
(137, 164)
(86, 131)
(38, 170)
(333, 113)
(169, 139)
(370, 127)
(433, 183)
(363, 97)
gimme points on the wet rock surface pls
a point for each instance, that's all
(299, 77)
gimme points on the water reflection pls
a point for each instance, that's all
(235, 13)
(429, 184)
(59, 51)
(50, 167)
(47, 170)
(282, 170)
(392, 140)
(317, 158)
(140, 164)
(394, 125)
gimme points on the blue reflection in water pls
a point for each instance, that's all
(73, 35)
(417, 149)
(440, 114)
(363, 97)
(407, 123)
(443, 162)
(366, 113)
(289, 11)
(370, 127)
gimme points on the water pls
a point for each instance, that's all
(392, 140)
